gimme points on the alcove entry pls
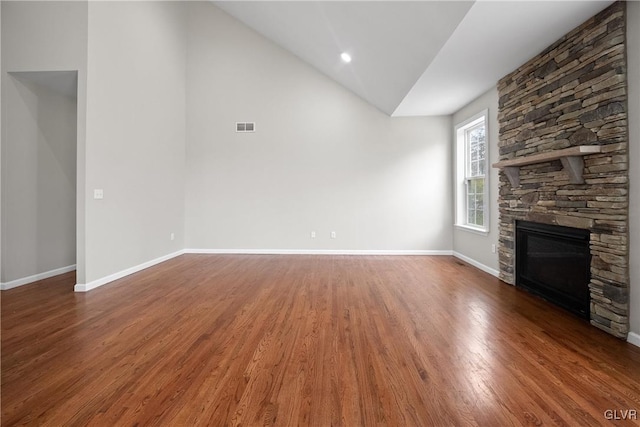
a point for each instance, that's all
(39, 169)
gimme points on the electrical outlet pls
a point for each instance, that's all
(313, 234)
(493, 249)
(172, 236)
(333, 234)
(98, 194)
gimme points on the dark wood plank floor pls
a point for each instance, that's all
(309, 341)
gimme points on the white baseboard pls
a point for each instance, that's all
(84, 287)
(476, 264)
(314, 252)
(40, 276)
(633, 338)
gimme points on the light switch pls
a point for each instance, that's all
(98, 193)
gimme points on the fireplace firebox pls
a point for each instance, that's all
(553, 262)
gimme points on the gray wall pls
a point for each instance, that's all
(321, 159)
(1, 127)
(633, 76)
(43, 36)
(39, 177)
(470, 245)
(135, 134)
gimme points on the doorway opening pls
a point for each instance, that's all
(39, 175)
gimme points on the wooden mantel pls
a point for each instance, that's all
(571, 158)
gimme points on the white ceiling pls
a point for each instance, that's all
(493, 39)
(415, 57)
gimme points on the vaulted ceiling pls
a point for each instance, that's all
(414, 58)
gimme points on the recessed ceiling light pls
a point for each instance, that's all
(345, 57)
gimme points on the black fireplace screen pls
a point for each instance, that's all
(554, 262)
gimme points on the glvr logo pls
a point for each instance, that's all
(621, 414)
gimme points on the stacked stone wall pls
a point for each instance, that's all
(574, 93)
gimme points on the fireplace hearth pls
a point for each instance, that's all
(553, 262)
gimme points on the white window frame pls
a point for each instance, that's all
(461, 178)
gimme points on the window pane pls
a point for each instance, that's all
(477, 134)
(481, 149)
(470, 209)
(475, 202)
(479, 207)
(476, 150)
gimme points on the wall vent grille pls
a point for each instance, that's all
(245, 127)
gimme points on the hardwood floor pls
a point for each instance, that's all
(310, 341)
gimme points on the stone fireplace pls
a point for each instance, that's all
(563, 143)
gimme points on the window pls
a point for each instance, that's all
(472, 174)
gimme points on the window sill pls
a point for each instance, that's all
(474, 230)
